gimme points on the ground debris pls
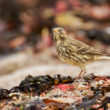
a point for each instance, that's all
(58, 93)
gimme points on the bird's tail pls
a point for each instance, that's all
(104, 58)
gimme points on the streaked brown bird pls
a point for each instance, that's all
(75, 52)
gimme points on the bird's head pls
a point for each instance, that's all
(59, 34)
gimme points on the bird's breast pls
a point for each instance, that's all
(64, 55)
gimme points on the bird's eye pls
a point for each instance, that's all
(60, 31)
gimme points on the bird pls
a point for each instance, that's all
(75, 52)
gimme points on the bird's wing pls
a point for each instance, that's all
(84, 49)
(89, 51)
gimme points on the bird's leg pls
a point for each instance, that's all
(79, 74)
(83, 70)
(75, 82)
(84, 74)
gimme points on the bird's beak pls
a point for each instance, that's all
(55, 30)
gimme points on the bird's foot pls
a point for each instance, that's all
(78, 80)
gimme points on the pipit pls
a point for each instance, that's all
(75, 52)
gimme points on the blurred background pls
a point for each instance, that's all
(26, 38)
